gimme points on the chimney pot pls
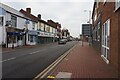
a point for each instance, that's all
(39, 16)
(28, 10)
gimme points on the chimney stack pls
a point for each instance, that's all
(39, 16)
(28, 10)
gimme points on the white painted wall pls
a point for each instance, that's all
(1, 35)
(20, 22)
(2, 31)
(30, 27)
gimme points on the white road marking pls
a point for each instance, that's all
(63, 75)
(34, 52)
(8, 59)
(15, 57)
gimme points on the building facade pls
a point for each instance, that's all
(20, 28)
(30, 27)
(11, 26)
(46, 32)
(106, 25)
(57, 28)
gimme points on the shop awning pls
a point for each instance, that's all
(31, 32)
(15, 33)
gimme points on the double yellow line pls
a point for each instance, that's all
(49, 68)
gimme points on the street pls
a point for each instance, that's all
(28, 63)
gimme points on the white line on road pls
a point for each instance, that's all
(34, 52)
(15, 57)
(8, 59)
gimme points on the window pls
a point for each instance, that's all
(11, 39)
(106, 40)
(42, 26)
(97, 3)
(31, 38)
(95, 17)
(117, 5)
(1, 21)
(14, 20)
(33, 25)
(98, 32)
(47, 29)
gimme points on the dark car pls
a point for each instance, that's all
(62, 41)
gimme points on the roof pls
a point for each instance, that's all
(32, 17)
(11, 10)
(93, 9)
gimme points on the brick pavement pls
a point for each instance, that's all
(84, 62)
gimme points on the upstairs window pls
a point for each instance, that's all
(33, 25)
(1, 21)
(42, 26)
(14, 21)
(117, 4)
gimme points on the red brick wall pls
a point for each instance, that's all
(108, 12)
(119, 42)
(114, 40)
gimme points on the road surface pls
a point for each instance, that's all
(29, 62)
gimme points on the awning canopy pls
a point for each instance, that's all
(31, 32)
(16, 33)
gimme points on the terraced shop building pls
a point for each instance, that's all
(106, 31)
(46, 32)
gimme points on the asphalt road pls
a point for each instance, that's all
(28, 62)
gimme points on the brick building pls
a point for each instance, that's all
(106, 31)
(57, 26)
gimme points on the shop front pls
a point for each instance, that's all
(45, 37)
(14, 37)
(32, 37)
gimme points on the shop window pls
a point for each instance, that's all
(11, 39)
(19, 38)
(31, 38)
(1, 21)
(14, 20)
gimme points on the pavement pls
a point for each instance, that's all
(82, 62)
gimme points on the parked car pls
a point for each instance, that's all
(62, 41)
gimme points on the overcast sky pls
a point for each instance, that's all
(70, 14)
